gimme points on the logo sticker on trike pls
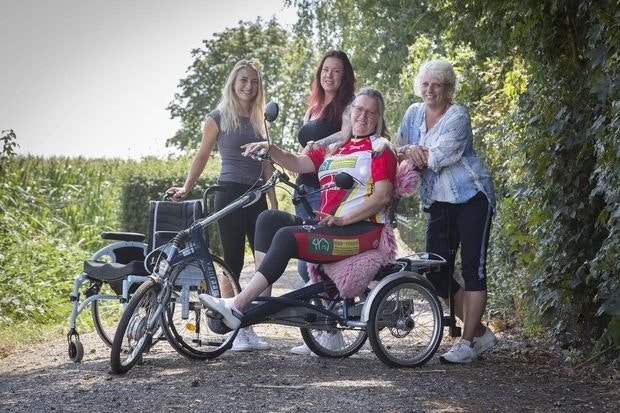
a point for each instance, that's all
(326, 246)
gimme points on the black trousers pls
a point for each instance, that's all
(237, 226)
(465, 226)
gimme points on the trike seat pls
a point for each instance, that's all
(353, 274)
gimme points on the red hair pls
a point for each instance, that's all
(344, 95)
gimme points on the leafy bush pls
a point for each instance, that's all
(150, 180)
(51, 213)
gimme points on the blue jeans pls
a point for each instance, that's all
(314, 199)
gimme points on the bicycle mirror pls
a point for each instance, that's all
(271, 111)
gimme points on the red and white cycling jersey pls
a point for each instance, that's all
(367, 160)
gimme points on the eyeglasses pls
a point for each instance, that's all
(358, 111)
(427, 85)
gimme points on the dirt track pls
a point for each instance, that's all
(517, 375)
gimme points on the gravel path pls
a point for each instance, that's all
(517, 375)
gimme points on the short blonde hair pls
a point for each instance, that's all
(440, 69)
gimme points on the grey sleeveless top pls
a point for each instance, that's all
(236, 167)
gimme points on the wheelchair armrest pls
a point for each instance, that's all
(123, 236)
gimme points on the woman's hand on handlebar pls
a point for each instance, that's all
(176, 194)
(254, 147)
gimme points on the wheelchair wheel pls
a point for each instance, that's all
(134, 334)
(106, 315)
(185, 321)
(405, 323)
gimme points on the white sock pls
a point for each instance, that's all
(231, 304)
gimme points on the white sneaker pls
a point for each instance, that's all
(241, 342)
(301, 350)
(224, 306)
(461, 352)
(484, 342)
(332, 340)
(254, 341)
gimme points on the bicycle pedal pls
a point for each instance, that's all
(217, 326)
(213, 314)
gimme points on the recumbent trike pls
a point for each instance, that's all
(400, 314)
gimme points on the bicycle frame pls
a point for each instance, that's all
(291, 309)
(172, 254)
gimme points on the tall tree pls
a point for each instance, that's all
(375, 34)
(284, 66)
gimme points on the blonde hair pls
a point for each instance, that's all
(229, 105)
(380, 130)
(440, 69)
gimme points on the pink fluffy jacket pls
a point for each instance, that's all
(352, 275)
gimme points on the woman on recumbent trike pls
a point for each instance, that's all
(349, 221)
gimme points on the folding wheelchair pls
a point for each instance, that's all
(115, 271)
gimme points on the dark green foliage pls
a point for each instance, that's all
(285, 69)
(150, 183)
(541, 82)
(559, 155)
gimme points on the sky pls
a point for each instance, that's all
(93, 78)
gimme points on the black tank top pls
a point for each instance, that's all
(314, 130)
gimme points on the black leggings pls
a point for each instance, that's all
(236, 226)
(282, 236)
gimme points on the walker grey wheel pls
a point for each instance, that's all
(76, 350)
(405, 323)
(106, 315)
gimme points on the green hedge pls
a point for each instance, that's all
(150, 181)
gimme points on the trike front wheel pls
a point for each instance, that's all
(188, 328)
(334, 343)
(134, 334)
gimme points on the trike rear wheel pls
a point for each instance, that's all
(405, 323)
